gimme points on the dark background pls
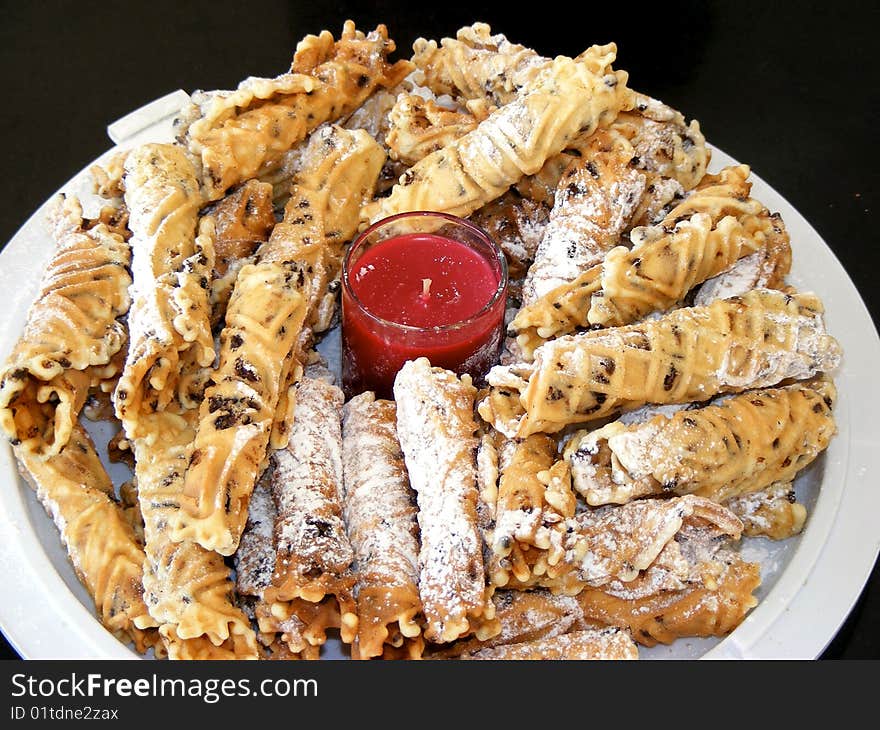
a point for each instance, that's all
(789, 88)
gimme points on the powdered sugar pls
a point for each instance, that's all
(437, 430)
(740, 278)
(306, 487)
(588, 217)
(379, 503)
(799, 349)
(594, 644)
(618, 542)
(255, 557)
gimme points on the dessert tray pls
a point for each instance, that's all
(265, 594)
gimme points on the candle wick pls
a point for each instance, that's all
(426, 288)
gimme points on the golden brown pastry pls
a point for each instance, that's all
(420, 126)
(524, 615)
(243, 219)
(243, 134)
(594, 202)
(104, 552)
(658, 273)
(690, 354)
(743, 444)
(712, 599)
(273, 306)
(482, 72)
(72, 327)
(380, 516)
(685, 579)
(587, 644)
(343, 165)
(620, 542)
(437, 432)
(188, 589)
(772, 512)
(531, 505)
(313, 555)
(108, 175)
(296, 628)
(238, 409)
(764, 269)
(722, 225)
(670, 153)
(171, 264)
(566, 97)
(667, 148)
(476, 65)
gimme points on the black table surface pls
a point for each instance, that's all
(789, 88)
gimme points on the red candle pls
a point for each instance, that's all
(420, 285)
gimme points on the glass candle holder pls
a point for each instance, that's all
(420, 284)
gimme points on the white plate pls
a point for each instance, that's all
(809, 583)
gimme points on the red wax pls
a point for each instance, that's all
(439, 289)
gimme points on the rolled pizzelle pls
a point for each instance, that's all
(273, 306)
(698, 588)
(690, 354)
(743, 444)
(587, 644)
(345, 164)
(524, 615)
(76, 491)
(566, 97)
(532, 503)
(620, 542)
(659, 273)
(243, 219)
(645, 160)
(671, 154)
(171, 265)
(255, 558)
(238, 409)
(74, 324)
(594, 202)
(437, 432)
(690, 581)
(419, 126)
(668, 149)
(187, 589)
(380, 514)
(242, 134)
(764, 269)
(313, 554)
(772, 512)
(722, 225)
(477, 65)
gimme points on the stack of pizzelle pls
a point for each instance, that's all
(661, 388)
